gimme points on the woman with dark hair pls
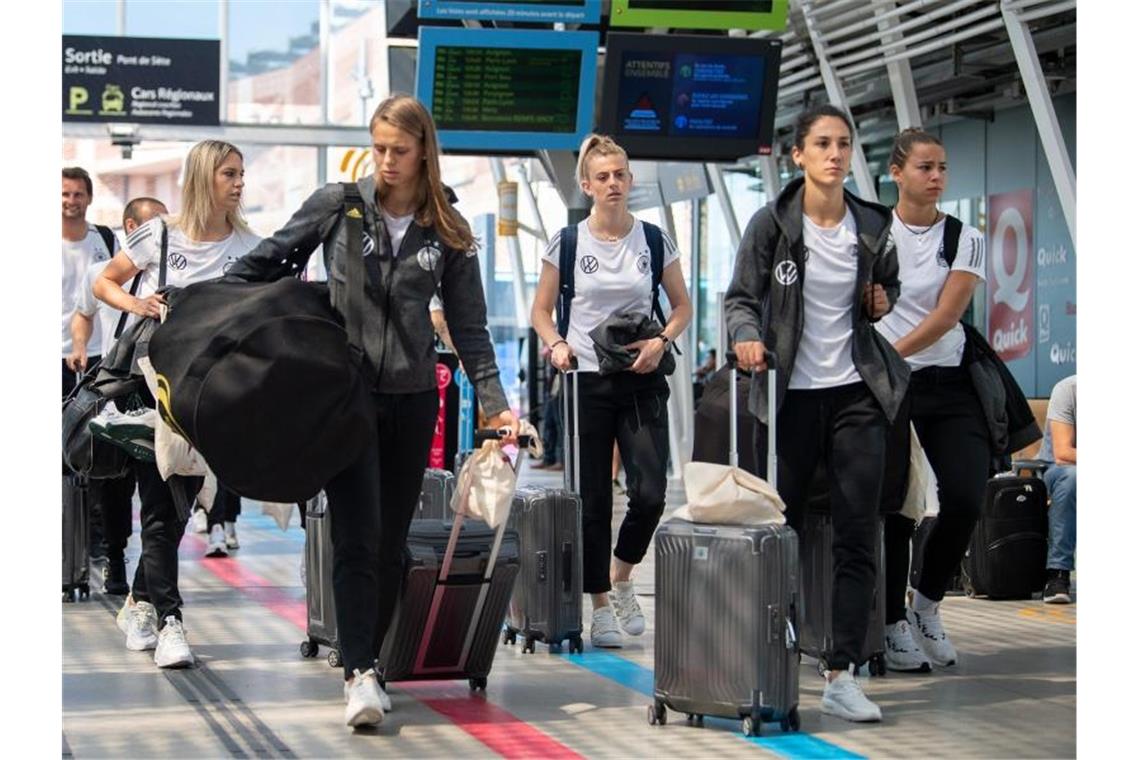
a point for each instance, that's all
(415, 244)
(938, 285)
(815, 268)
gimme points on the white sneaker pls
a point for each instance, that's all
(843, 697)
(216, 546)
(926, 627)
(363, 704)
(231, 536)
(198, 521)
(142, 627)
(123, 618)
(604, 631)
(173, 651)
(624, 602)
(902, 653)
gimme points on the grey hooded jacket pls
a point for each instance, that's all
(764, 301)
(399, 350)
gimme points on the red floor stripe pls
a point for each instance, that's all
(495, 727)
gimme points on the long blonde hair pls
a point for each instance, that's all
(432, 206)
(198, 189)
(597, 145)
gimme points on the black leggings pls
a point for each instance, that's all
(371, 504)
(632, 410)
(952, 429)
(156, 577)
(226, 508)
(847, 428)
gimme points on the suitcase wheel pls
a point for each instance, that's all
(878, 665)
(657, 713)
(309, 648)
(792, 721)
(696, 719)
(751, 726)
(68, 598)
(576, 645)
(528, 645)
(334, 658)
(509, 637)
(555, 648)
(478, 683)
(83, 592)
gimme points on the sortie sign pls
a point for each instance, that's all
(139, 80)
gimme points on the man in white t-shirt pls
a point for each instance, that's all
(83, 245)
(92, 317)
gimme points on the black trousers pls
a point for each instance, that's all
(632, 410)
(156, 577)
(114, 499)
(952, 429)
(847, 428)
(371, 504)
(226, 508)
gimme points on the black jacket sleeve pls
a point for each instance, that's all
(886, 273)
(287, 251)
(747, 292)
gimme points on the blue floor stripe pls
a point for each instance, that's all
(629, 674)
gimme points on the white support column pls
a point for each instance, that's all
(526, 192)
(898, 72)
(121, 17)
(770, 174)
(1040, 102)
(859, 167)
(324, 55)
(716, 177)
(518, 271)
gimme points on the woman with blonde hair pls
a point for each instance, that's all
(610, 259)
(208, 235)
(415, 245)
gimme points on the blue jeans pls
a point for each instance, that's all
(1061, 480)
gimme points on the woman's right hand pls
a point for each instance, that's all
(151, 306)
(562, 356)
(750, 355)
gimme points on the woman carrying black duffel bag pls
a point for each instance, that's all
(414, 244)
(208, 233)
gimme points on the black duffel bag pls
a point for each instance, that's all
(262, 379)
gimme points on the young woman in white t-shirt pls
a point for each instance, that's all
(208, 234)
(941, 401)
(614, 276)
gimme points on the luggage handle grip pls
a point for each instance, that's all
(482, 435)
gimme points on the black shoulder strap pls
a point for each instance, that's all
(123, 315)
(567, 259)
(951, 234)
(164, 243)
(354, 265)
(108, 238)
(656, 243)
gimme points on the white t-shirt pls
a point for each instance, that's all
(831, 265)
(187, 261)
(106, 318)
(78, 256)
(612, 278)
(922, 272)
(397, 228)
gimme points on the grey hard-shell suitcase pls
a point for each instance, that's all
(726, 614)
(321, 609)
(76, 524)
(817, 583)
(435, 497)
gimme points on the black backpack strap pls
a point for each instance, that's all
(108, 238)
(123, 315)
(353, 218)
(164, 243)
(567, 259)
(951, 234)
(656, 240)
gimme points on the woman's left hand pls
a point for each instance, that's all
(505, 419)
(649, 353)
(875, 300)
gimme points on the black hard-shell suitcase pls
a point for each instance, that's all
(435, 497)
(76, 524)
(1007, 553)
(321, 609)
(726, 628)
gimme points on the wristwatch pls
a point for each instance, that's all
(664, 339)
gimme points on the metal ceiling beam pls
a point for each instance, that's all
(898, 72)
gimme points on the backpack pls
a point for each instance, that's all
(108, 238)
(568, 256)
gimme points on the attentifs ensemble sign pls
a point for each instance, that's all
(140, 80)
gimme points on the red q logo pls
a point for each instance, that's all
(442, 376)
(1011, 275)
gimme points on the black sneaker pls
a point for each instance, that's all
(115, 578)
(1057, 588)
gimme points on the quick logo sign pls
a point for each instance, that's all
(1010, 285)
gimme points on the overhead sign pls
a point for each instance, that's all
(1010, 285)
(701, 14)
(683, 182)
(530, 11)
(140, 80)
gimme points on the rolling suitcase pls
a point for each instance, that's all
(547, 602)
(1006, 555)
(76, 524)
(454, 600)
(435, 497)
(726, 613)
(321, 610)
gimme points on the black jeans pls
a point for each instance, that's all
(156, 578)
(371, 504)
(952, 429)
(633, 410)
(226, 508)
(114, 499)
(847, 427)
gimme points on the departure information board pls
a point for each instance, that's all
(701, 14)
(531, 11)
(508, 90)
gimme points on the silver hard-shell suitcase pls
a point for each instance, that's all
(726, 613)
(435, 497)
(320, 607)
(76, 527)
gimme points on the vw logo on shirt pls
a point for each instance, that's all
(589, 264)
(786, 272)
(177, 261)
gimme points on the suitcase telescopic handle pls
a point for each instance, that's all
(571, 441)
(733, 453)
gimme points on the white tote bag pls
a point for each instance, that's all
(724, 495)
(488, 480)
(173, 454)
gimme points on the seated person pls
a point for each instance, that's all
(1060, 448)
